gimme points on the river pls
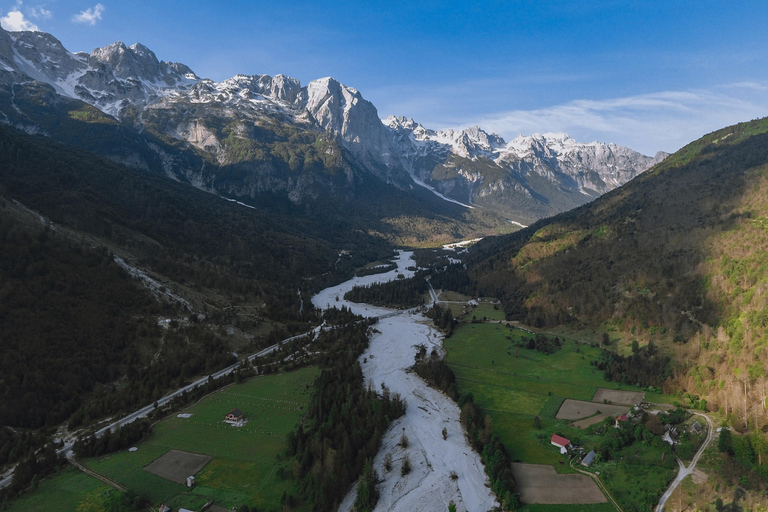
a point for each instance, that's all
(429, 486)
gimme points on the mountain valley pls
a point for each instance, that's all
(156, 227)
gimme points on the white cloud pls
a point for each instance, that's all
(15, 21)
(663, 121)
(40, 12)
(89, 16)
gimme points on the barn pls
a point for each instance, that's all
(561, 443)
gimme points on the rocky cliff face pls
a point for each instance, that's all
(251, 122)
(526, 179)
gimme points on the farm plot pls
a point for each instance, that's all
(244, 465)
(176, 465)
(540, 484)
(614, 396)
(579, 409)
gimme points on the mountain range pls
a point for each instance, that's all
(252, 134)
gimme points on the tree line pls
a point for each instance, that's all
(344, 424)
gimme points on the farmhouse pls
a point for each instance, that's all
(561, 443)
(586, 461)
(696, 427)
(234, 416)
(671, 436)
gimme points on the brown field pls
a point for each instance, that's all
(578, 409)
(176, 465)
(586, 422)
(613, 396)
(540, 484)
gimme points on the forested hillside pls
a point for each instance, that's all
(677, 256)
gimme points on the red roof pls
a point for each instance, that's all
(560, 440)
(623, 417)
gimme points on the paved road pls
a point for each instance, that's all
(144, 411)
(685, 471)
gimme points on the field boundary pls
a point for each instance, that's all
(95, 475)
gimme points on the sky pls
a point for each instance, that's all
(651, 75)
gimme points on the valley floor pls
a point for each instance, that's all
(429, 486)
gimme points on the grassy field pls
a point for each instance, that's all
(70, 489)
(244, 466)
(515, 385)
(487, 311)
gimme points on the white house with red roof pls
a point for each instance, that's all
(561, 443)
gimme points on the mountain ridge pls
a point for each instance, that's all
(131, 84)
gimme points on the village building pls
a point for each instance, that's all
(234, 416)
(671, 436)
(561, 442)
(696, 428)
(587, 460)
(190, 481)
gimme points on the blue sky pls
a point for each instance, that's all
(651, 75)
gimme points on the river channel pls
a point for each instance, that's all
(434, 460)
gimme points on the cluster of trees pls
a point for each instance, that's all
(643, 368)
(541, 343)
(493, 453)
(110, 442)
(340, 316)
(187, 351)
(400, 293)
(71, 319)
(442, 318)
(434, 370)
(344, 424)
(30, 471)
(745, 457)
(16, 445)
(454, 277)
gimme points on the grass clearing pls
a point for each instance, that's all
(70, 489)
(514, 385)
(488, 311)
(244, 465)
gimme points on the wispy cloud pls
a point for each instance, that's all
(650, 122)
(40, 12)
(15, 21)
(89, 16)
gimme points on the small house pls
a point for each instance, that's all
(671, 436)
(164, 508)
(586, 461)
(620, 419)
(696, 428)
(190, 481)
(234, 416)
(561, 443)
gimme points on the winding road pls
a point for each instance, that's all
(685, 471)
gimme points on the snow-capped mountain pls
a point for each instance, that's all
(249, 122)
(527, 178)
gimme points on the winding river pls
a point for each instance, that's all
(435, 461)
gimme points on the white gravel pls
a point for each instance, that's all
(429, 486)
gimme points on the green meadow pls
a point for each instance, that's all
(514, 385)
(70, 489)
(245, 466)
